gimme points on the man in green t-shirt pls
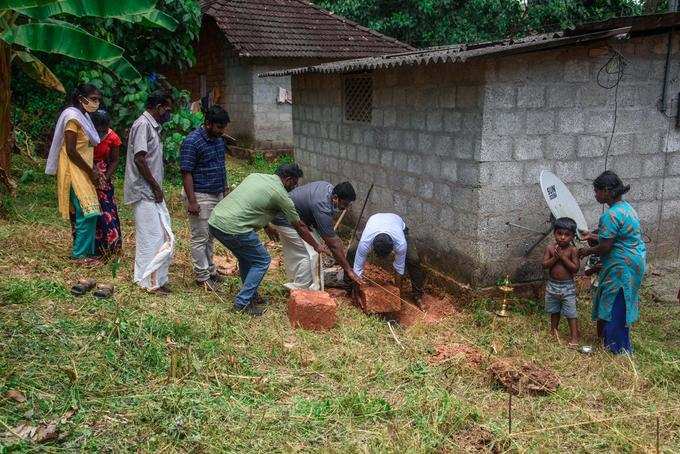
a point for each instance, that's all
(251, 206)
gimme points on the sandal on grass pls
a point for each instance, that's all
(104, 291)
(82, 286)
(164, 290)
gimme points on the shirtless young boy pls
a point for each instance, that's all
(561, 258)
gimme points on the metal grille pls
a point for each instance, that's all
(358, 99)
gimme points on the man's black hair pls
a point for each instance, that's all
(82, 90)
(345, 191)
(100, 119)
(611, 181)
(565, 224)
(158, 97)
(289, 171)
(216, 115)
(382, 245)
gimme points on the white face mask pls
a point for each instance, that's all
(89, 106)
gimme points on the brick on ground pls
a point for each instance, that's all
(312, 310)
(378, 300)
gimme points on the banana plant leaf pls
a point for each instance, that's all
(61, 38)
(91, 8)
(38, 71)
(154, 18)
(121, 68)
(12, 4)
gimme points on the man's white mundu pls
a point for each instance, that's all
(155, 244)
(300, 260)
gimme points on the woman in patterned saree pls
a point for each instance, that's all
(108, 239)
(623, 255)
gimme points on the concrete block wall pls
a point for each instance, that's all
(419, 150)
(222, 69)
(547, 111)
(273, 122)
(456, 149)
(237, 98)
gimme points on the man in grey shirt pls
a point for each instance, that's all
(316, 203)
(144, 173)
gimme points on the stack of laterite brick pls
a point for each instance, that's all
(311, 309)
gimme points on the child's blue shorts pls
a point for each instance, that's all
(560, 298)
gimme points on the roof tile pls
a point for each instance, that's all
(295, 28)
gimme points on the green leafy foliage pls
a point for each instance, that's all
(34, 107)
(125, 100)
(151, 51)
(260, 163)
(181, 123)
(425, 23)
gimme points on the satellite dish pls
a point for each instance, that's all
(561, 202)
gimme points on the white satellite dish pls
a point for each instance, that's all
(561, 202)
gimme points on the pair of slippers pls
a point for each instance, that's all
(85, 285)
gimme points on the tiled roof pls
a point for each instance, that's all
(295, 28)
(619, 27)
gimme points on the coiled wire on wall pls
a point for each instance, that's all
(609, 77)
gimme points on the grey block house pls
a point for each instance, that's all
(241, 38)
(454, 138)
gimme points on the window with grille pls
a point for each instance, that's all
(358, 98)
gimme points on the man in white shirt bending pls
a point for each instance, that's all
(386, 233)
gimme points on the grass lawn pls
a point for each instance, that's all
(254, 384)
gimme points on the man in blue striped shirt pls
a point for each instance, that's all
(204, 173)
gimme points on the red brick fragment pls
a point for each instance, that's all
(311, 309)
(378, 300)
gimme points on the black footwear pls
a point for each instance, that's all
(258, 300)
(251, 309)
(210, 284)
(217, 278)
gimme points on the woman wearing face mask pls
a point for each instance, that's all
(71, 159)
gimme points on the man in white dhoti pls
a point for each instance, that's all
(316, 203)
(144, 173)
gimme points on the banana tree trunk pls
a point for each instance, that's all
(5, 123)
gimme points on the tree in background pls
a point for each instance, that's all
(28, 27)
(149, 49)
(425, 23)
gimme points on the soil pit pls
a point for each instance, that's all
(378, 300)
(472, 356)
(528, 379)
(437, 308)
(312, 310)
(433, 311)
(478, 439)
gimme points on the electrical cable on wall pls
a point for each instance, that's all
(609, 77)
